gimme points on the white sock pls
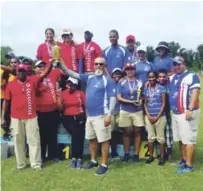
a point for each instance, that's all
(94, 161)
(104, 165)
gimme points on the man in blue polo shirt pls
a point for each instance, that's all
(142, 65)
(184, 100)
(115, 55)
(99, 110)
(163, 60)
(131, 47)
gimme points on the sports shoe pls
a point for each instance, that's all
(161, 162)
(149, 160)
(136, 158)
(90, 165)
(79, 164)
(73, 163)
(181, 164)
(101, 170)
(185, 170)
(125, 158)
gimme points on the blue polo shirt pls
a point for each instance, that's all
(180, 88)
(99, 89)
(117, 106)
(115, 57)
(132, 56)
(163, 63)
(154, 102)
(142, 69)
(124, 90)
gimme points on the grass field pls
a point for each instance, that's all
(121, 177)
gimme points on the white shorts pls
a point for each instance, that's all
(95, 129)
(183, 130)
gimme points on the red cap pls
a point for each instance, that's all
(130, 37)
(21, 66)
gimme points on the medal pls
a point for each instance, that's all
(131, 88)
(151, 94)
(86, 49)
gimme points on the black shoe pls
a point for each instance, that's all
(43, 163)
(101, 170)
(90, 165)
(125, 158)
(136, 158)
(161, 162)
(149, 160)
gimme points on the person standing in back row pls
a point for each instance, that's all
(115, 55)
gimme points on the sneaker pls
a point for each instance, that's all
(73, 163)
(79, 164)
(37, 169)
(125, 158)
(149, 160)
(101, 170)
(184, 170)
(161, 162)
(181, 164)
(90, 165)
(136, 158)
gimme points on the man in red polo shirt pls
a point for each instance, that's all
(21, 92)
(89, 50)
(69, 50)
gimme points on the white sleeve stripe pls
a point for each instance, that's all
(107, 50)
(195, 86)
(122, 49)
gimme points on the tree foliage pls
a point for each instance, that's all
(4, 51)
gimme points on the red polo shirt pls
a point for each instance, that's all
(42, 53)
(23, 98)
(73, 102)
(70, 54)
(90, 51)
(46, 99)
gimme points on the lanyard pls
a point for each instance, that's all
(151, 93)
(86, 48)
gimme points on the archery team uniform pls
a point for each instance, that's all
(180, 94)
(99, 89)
(154, 104)
(130, 114)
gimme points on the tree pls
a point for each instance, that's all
(151, 54)
(174, 47)
(4, 51)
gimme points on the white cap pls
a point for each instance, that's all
(73, 80)
(39, 62)
(117, 69)
(142, 48)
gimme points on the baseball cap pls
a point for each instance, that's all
(10, 55)
(88, 32)
(142, 48)
(66, 32)
(116, 69)
(129, 65)
(130, 37)
(21, 67)
(73, 80)
(178, 59)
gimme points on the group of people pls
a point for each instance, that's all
(97, 95)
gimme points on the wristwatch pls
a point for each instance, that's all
(190, 108)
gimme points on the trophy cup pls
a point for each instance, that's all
(138, 101)
(56, 54)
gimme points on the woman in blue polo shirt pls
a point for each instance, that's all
(155, 119)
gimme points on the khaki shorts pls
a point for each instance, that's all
(156, 131)
(95, 129)
(127, 119)
(114, 122)
(183, 130)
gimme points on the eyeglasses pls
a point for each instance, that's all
(98, 64)
(176, 64)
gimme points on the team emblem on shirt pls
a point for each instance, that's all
(27, 85)
(92, 48)
(77, 95)
(48, 79)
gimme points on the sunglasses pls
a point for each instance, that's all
(176, 64)
(98, 64)
(40, 66)
(128, 69)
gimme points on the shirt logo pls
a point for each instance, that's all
(92, 48)
(27, 85)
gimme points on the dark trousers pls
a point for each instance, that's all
(48, 125)
(77, 132)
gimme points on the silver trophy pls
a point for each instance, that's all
(138, 101)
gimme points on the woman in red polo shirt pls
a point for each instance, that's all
(74, 119)
(48, 105)
(45, 50)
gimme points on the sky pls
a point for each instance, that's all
(23, 23)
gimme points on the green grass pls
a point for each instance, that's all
(121, 177)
